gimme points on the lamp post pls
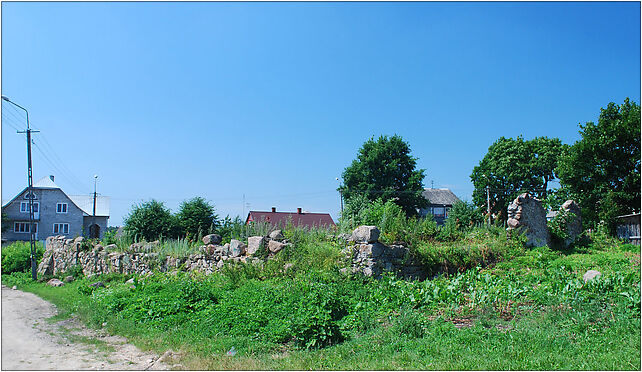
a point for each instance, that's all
(30, 193)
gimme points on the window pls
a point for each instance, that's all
(438, 211)
(61, 228)
(23, 227)
(61, 208)
(448, 211)
(24, 207)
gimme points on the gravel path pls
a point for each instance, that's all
(29, 342)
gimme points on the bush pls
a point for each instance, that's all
(151, 221)
(16, 257)
(465, 215)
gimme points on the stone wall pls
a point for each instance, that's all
(364, 253)
(63, 254)
(371, 258)
(526, 214)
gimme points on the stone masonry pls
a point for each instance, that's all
(526, 214)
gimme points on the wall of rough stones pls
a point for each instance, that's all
(62, 255)
(371, 258)
(364, 253)
(526, 214)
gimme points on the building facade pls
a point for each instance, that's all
(440, 201)
(55, 213)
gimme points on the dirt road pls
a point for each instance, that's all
(30, 342)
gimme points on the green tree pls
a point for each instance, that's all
(512, 166)
(465, 215)
(196, 217)
(546, 153)
(150, 221)
(384, 169)
(602, 169)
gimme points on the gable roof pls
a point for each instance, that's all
(86, 204)
(83, 202)
(440, 196)
(297, 219)
(45, 183)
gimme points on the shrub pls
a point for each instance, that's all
(465, 215)
(196, 218)
(150, 221)
(17, 257)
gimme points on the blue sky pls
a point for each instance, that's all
(273, 100)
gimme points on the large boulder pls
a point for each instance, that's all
(55, 283)
(212, 239)
(590, 275)
(527, 215)
(276, 235)
(237, 248)
(275, 246)
(255, 244)
(365, 234)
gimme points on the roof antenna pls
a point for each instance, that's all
(432, 184)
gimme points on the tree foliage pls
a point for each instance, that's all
(384, 169)
(197, 217)
(465, 215)
(150, 221)
(602, 169)
(512, 166)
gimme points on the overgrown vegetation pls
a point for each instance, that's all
(532, 302)
(17, 257)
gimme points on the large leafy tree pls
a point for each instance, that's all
(197, 217)
(546, 153)
(512, 166)
(384, 169)
(150, 221)
(602, 169)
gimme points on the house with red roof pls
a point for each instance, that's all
(298, 218)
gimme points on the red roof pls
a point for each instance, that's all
(298, 219)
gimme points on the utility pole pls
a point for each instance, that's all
(32, 240)
(92, 229)
(340, 194)
(488, 202)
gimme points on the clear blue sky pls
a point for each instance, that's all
(272, 100)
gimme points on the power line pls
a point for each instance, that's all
(70, 174)
(9, 122)
(72, 183)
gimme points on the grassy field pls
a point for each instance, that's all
(503, 307)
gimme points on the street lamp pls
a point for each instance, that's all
(30, 193)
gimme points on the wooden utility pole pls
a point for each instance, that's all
(30, 194)
(488, 202)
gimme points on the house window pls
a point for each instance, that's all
(23, 227)
(438, 211)
(448, 211)
(61, 228)
(24, 207)
(61, 208)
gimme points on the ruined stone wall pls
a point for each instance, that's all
(527, 215)
(371, 258)
(364, 252)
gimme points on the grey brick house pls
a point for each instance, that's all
(440, 201)
(55, 213)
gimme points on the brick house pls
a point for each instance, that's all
(55, 213)
(299, 218)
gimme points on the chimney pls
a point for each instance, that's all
(52, 177)
(273, 209)
(298, 211)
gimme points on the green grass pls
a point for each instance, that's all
(526, 309)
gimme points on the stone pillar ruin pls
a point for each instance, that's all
(526, 214)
